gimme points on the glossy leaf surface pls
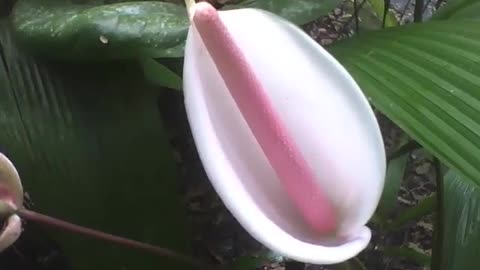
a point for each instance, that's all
(461, 223)
(125, 30)
(425, 77)
(459, 9)
(298, 12)
(88, 143)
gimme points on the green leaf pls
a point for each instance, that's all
(393, 180)
(160, 75)
(370, 15)
(461, 223)
(352, 264)
(255, 261)
(425, 77)
(423, 208)
(299, 12)
(397, 164)
(378, 8)
(89, 145)
(409, 254)
(248, 262)
(459, 9)
(63, 30)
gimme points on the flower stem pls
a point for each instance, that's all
(66, 226)
(190, 5)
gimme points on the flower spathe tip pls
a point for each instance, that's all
(11, 198)
(10, 232)
(11, 188)
(279, 147)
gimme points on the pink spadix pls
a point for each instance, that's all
(278, 145)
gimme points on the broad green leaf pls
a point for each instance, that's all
(89, 145)
(459, 9)
(299, 12)
(461, 224)
(425, 77)
(93, 30)
(160, 75)
(65, 30)
(469, 12)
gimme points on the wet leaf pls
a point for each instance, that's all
(89, 146)
(459, 9)
(160, 75)
(425, 78)
(91, 31)
(461, 223)
(299, 12)
(378, 8)
(393, 180)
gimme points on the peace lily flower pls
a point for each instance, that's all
(284, 133)
(11, 197)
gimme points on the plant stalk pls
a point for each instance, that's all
(386, 7)
(355, 13)
(405, 148)
(418, 12)
(438, 227)
(70, 227)
(190, 4)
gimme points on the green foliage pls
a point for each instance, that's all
(459, 9)
(396, 166)
(299, 12)
(393, 180)
(461, 224)
(65, 30)
(418, 12)
(248, 262)
(159, 75)
(378, 8)
(96, 30)
(352, 264)
(89, 145)
(423, 208)
(425, 77)
(409, 254)
(470, 12)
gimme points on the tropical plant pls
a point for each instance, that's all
(80, 82)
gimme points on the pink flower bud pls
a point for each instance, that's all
(11, 232)
(286, 136)
(11, 196)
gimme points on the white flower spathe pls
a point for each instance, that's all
(315, 114)
(11, 195)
